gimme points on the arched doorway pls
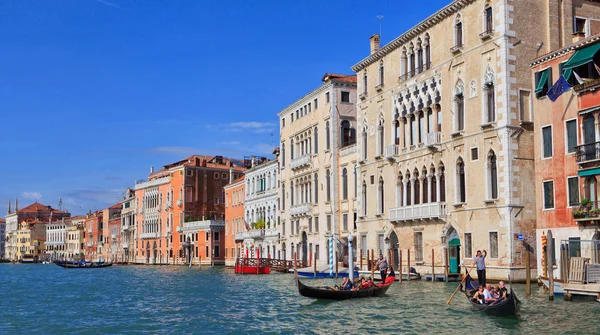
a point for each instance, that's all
(147, 252)
(453, 251)
(283, 251)
(155, 252)
(304, 248)
(394, 247)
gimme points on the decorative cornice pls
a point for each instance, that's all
(300, 102)
(566, 50)
(421, 27)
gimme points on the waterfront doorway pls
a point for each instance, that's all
(155, 253)
(453, 252)
(147, 252)
(304, 248)
(394, 247)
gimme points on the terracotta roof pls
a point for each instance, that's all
(2, 220)
(116, 206)
(339, 77)
(78, 217)
(36, 207)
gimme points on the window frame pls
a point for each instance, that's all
(569, 192)
(543, 142)
(567, 152)
(544, 196)
(342, 93)
(470, 245)
(490, 244)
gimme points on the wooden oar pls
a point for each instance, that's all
(461, 282)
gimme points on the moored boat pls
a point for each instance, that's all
(332, 294)
(81, 264)
(558, 285)
(505, 307)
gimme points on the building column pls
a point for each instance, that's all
(429, 176)
(406, 190)
(438, 175)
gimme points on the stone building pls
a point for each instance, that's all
(316, 170)
(128, 235)
(261, 210)
(94, 238)
(235, 194)
(75, 237)
(56, 246)
(567, 146)
(2, 237)
(445, 136)
(182, 201)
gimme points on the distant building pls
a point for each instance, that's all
(75, 237)
(112, 233)
(56, 239)
(35, 212)
(128, 219)
(94, 227)
(2, 237)
(31, 237)
(567, 146)
(183, 200)
(234, 218)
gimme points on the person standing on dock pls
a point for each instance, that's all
(383, 266)
(479, 259)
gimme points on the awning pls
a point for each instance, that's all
(542, 83)
(589, 110)
(589, 172)
(580, 57)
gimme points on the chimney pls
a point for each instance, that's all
(374, 43)
(17, 205)
(578, 37)
(231, 175)
(152, 169)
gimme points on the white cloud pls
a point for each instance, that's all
(31, 195)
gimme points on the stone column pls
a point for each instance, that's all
(438, 175)
(406, 190)
(429, 176)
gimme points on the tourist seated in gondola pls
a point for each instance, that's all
(502, 291)
(495, 293)
(346, 285)
(370, 282)
(357, 285)
(478, 296)
(487, 294)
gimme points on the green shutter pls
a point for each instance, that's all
(542, 82)
(588, 172)
(580, 57)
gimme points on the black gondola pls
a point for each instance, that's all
(506, 307)
(331, 294)
(81, 264)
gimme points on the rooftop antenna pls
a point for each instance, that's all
(380, 17)
(272, 141)
(60, 203)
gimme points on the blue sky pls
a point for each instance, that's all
(94, 92)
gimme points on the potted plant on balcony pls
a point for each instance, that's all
(594, 212)
(586, 203)
(578, 214)
(260, 224)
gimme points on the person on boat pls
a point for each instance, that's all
(494, 292)
(392, 273)
(479, 259)
(370, 282)
(487, 294)
(478, 296)
(383, 266)
(502, 291)
(357, 284)
(343, 286)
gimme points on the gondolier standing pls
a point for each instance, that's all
(479, 259)
(383, 265)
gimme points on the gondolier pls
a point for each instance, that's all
(479, 259)
(383, 265)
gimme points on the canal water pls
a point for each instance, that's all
(47, 299)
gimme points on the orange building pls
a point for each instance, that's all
(93, 236)
(111, 236)
(183, 202)
(567, 148)
(235, 194)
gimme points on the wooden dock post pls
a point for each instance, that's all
(550, 264)
(432, 265)
(446, 264)
(368, 261)
(400, 263)
(527, 273)
(361, 256)
(408, 263)
(315, 265)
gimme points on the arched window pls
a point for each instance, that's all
(409, 184)
(488, 19)
(419, 56)
(459, 106)
(363, 199)
(404, 123)
(442, 184)
(492, 175)
(458, 32)
(399, 191)
(413, 130)
(425, 187)
(381, 73)
(282, 155)
(380, 195)
(327, 136)
(461, 192)
(433, 188)
(327, 185)
(403, 65)
(427, 52)
(380, 137)
(292, 149)
(421, 127)
(429, 121)
(397, 130)
(489, 96)
(417, 189)
(344, 184)
(316, 140)
(316, 188)
(365, 82)
(364, 144)
(412, 60)
(282, 195)
(291, 193)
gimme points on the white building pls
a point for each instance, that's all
(262, 211)
(2, 236)
(56, 246)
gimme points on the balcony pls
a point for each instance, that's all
(149, 235)
(392, 151)
(179, 203)
(587, 153)
(301, 161)
(457, 48)
(348, 150)
(256, 234)
(433, 139)
(194, 226)
(113, 236)
(487, 34)
(301, 209)
(434, 210)
(156, 182)
(125, 245)
(90, 244)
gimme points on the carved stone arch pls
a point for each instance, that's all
(419, 43)
(457, 18)
(426, 39)
(448, 229)
(411, 48)
(459, 87)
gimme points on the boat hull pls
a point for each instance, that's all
(331, 294)
(252, 270)
(507, 307)
(82, 265)
(558, 285)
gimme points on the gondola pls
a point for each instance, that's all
(331, 294)
(507, 307)
(82, 264)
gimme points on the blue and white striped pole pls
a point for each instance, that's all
(331, 256)
(350, 258)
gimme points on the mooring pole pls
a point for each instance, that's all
(527, 273)
(432, 265)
